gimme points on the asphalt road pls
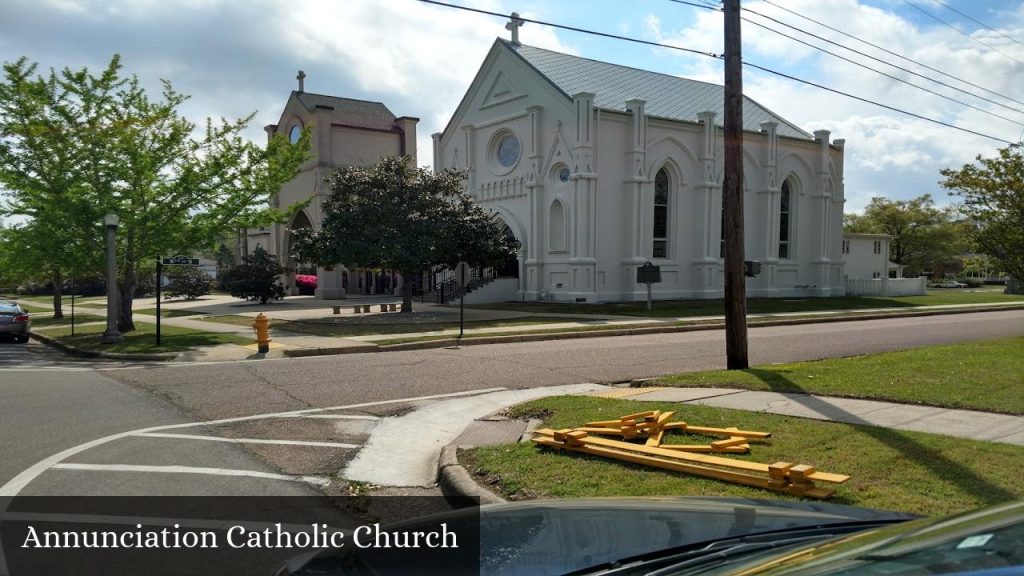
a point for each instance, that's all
(48, 405)
(239, 388)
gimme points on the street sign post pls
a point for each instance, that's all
(648, 274)
(462, 276)
(160, 263)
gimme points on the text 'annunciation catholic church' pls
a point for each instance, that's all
(598, 168)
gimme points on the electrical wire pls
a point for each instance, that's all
(887, 75)
(979, 22)
(898, 79)
(573, 28)
(718, 57)
(961, 32)
(890, 52)
(877, 60)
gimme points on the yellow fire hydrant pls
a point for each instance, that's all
(262, 328)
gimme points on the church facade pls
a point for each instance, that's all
(598, 168)
(344, 132)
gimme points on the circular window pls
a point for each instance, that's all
(508, 151)
(295, 133)
(564, 173)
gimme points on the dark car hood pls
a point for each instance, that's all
(549, 537)
(555, 537)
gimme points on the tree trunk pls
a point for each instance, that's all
(406, 293)
(58, 284)
(125, 322)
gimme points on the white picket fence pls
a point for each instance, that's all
(886, 286)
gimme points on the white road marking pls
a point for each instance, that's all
(247, 440)
(315, 480)
(335, 416)
(18, 483)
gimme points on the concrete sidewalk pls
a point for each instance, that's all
(302, 308)
(477, 421)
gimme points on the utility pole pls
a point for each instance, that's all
(732, 195)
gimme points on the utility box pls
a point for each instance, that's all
(751, 268)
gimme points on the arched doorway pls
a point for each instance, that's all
(510, 267)
(300, 221)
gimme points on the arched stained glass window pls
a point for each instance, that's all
(785, 213)
(661, 203)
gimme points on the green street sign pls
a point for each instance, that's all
(180, 261)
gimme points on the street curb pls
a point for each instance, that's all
(455, 481)
(302, 352)
(167, 357)
(449, 342)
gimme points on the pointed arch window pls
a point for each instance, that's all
(785, 220)
(661, 221)
(556, 227)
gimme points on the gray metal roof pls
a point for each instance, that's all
(667, 96)
(362, 113)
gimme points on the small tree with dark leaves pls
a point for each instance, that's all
(256, 278)
(394, 216)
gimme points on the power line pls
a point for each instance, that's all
(572, 28)
(961, 32)
(717, 57)
(898, 79)
(907, 70)
(979, 22)
(887, 75)
(886, 106)
(890, 52)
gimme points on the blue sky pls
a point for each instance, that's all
(236, 57)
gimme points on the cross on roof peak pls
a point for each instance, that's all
(301, 77)
(513, 25)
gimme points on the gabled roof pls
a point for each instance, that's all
(361, 113)
(667, 96)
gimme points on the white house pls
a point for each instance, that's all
(598, 168)
(869, 271)
(867, 256)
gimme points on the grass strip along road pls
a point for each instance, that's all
(890, 469)
(983, 375)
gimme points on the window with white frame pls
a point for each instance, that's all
(878, 246)
(785, 220)
(846, 246)
(661, 217)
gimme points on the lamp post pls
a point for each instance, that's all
(112, 334)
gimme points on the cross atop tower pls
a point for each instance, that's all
(301, 76)
(513, 26)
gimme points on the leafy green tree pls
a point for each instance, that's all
(92, 144)
(394, 216)
(925, 237)
(256, 278)
(188, 282)
(993, 203)
(41, 166)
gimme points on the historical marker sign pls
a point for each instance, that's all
(648, 274)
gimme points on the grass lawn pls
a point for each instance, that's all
(895, 470)
(983, 375)
(143, 339)
(46, 320)
(47, 300)
(365, 327)
(674, 308)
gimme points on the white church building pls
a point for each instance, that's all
(598, 168)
